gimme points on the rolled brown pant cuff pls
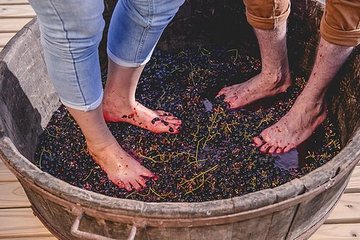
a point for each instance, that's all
(269, 23)
(349, 38)
(340, 23)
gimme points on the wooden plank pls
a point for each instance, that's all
(13, 2)
(354, 183)
(347, 210)
(12, 196)
(315, 210)
(5, 37)
(16, 11)
(5, 174)
(34, 238)
(21, 223)
(337, 232)
(12, 24)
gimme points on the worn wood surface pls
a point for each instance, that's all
(16, 11)
(337, 232)
(354, 184)
(5, 174)
(347, 210)
(34, 238)
(4, 38)
(12, 196)
(12, 25)
(13, 2)
(20, 223)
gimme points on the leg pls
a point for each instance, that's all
(275, 74)
(70, 34)
(135, 28)
(340, 32)
(120, 104)
(309, 109)
(120, 167)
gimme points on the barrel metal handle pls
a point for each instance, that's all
(92, 236)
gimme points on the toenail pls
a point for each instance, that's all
(155, 120)
(165, 122)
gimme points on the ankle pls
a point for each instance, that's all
(277, 77)
(100, 143)
(111, 104)
(312, 95)
(311, 103)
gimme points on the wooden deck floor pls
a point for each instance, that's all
(18, 222)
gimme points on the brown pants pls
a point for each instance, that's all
(340, 23)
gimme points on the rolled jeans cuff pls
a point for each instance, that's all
(124, 63)
(267, 23)
(85, 108)
(349, 38)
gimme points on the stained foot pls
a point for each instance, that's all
(258, 87)
(294, 128)
(121, 168)
(156, 121)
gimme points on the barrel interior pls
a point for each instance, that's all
(198, 23)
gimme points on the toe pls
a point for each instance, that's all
(264, 148)
(288, 148)
(222, 92)
(163, 113)
(174, 129)
(173, 121)
(279, 150)
(118, 183)
(146, 173)
(233, 102)
(170, 119)
(163, 127)
(258, 141)
(127, 186)
(135, 185)
(266, 136)
(272, 149)
(141, 181)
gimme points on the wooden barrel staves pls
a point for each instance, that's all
(291, 211)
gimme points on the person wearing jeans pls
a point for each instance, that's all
(340, 33)
(71, 31)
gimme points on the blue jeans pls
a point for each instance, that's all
(71, 31)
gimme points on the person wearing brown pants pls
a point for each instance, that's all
(340, 33)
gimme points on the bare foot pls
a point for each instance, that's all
(155, 121)
(293, 128)
(121, 168)
(258, 87)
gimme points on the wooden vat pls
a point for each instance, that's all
(291, 211)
